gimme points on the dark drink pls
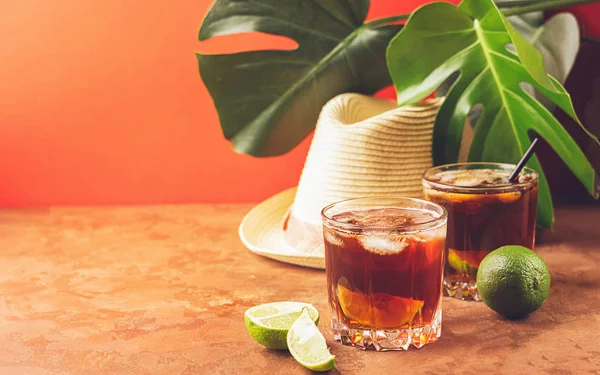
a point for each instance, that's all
(485, 212)
(384, 262)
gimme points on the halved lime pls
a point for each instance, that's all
(268, 324)
(307, 345)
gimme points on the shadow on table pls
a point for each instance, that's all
(279, 356)
(282, 266)
(476, 329)
(576, 280)
(574, 226)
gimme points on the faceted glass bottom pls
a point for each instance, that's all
(463, 290)
(385, 340)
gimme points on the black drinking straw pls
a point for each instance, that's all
(515, 173)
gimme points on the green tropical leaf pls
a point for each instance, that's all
(557, 39)
(473, 41)
(268, 101)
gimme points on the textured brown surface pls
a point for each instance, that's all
(162, 290)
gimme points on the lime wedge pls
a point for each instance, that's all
(307, 345)
(268, 324)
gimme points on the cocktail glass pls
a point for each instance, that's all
(384, 263)
(485, 211)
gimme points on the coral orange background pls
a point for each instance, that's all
(101, 103)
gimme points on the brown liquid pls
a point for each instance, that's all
(479, 223)
(385, 281)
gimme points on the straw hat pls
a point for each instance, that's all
(362, 146)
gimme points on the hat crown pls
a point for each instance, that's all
(362, 146)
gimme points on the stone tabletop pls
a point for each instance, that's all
(162, 290)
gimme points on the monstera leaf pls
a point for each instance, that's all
(472, 40)
(268, 101)
(557, 39)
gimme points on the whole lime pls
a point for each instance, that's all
(513, 281)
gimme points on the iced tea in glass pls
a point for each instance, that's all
(384, 263)
(485, 211)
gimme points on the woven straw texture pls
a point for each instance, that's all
(363, 146)
(262, 232)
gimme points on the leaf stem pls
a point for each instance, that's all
(511, 8)
(590, 39)
(387, 20)
(543, 5)
(513, 3)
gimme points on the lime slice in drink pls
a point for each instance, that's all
(456, 261)
(268, 324)
(307, 345)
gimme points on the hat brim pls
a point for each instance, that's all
(261, 231)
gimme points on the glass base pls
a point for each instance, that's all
(386, 340)
(462, 290)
